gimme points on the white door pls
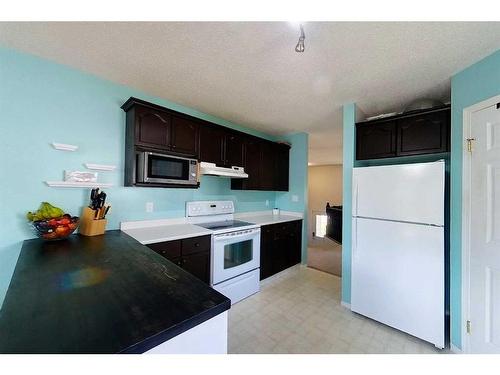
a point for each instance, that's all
(397, 276)
(406, 192)
(484, 288)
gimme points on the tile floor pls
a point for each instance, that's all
(299, 311)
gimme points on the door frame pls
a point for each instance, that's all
(466, 219)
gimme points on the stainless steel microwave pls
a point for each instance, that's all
(158, 168)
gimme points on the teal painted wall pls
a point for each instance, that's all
(472, 85)
(42, 102)
(298, 183)
(349, 120)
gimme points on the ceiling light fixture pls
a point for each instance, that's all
(300, 47)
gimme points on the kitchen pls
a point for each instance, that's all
(258, 202)
(197, 201)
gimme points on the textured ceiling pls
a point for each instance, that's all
(248, 73)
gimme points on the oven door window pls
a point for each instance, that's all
(236, 254)
(167, 168)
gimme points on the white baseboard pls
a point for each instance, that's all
(345, 304)
(455, 349)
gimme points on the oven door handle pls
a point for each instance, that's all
(224, 237)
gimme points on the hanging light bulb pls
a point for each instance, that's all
(300, 47)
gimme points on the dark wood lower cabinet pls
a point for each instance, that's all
(191, 254)
(198, 265)
(280, 247)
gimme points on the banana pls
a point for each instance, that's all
(45, 211)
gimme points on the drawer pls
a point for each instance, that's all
(196, 244)
(169, 249)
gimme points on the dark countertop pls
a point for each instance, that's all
(102, 294)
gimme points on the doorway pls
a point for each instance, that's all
(481, 228)
(324, 250)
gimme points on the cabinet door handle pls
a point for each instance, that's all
(197, 244)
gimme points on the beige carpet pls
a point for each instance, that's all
(325, 255)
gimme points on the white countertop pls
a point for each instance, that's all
(153, 231)
(161, 233)
(266, 219)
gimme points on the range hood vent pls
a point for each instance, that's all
(212, 170)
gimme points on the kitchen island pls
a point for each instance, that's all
(107, 294)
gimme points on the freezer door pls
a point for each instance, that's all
(397, 276)
(407, 192)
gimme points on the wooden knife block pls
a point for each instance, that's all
(89, 226)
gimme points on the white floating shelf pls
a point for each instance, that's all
(69, 184)
(64, 147)
(100, 167)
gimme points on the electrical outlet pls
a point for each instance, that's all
(149, 207)
(295, 198)
(267, 202)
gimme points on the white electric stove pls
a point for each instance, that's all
(235, 257)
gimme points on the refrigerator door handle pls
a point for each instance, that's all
(354, 236)
(356, 193)
(354, 199)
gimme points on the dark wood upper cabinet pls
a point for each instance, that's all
(268, 166)
(152, 128)
(212, 144)
(184, 136)
(374, 142)
(221, 146)
(281, 167)
(416, 133)
(423, 134)
(234, 150)
(253, 166)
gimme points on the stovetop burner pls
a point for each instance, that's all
(224, 224)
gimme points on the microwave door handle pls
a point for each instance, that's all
(145, 167)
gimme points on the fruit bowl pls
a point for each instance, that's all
(56, 228)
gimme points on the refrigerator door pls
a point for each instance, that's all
(397, 276)
(407, 192)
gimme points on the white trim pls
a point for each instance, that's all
(139, 224)
(126, 225)
(70, 184)
(269, 213)
(346, 304)
(64, 146)
(466, 175)
(455, 349)
(100, 167)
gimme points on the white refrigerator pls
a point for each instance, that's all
(398, 255)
